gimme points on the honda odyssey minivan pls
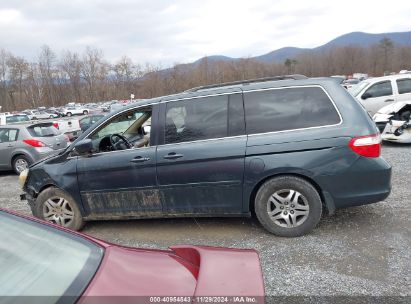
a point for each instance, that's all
(286, 149)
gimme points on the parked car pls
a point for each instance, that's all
(43, 115)
(287, 148)
(68, 126)
(375, 93)
(25, 144)
(88, 121)
(349, 83)
(55, 113)
(70, 111)
(394, 122)
(29, 113)
(46, 263)
(13, 118)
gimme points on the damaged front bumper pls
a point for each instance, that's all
(397, 131)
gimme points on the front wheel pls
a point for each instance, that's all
(58, 207)
(68, 114)
(288, 206)
(85, 112)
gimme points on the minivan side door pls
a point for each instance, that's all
(120, 182)
(377, 96)
(200, 165)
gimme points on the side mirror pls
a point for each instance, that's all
(84, 146)
(366, 96)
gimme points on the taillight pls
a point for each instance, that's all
(34, 143)
(368, 146)
(56, 125)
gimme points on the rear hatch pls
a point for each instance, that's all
(49, 135)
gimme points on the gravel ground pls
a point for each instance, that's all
(361, 251)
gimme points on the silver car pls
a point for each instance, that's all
(24, 144)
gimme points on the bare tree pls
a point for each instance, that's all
(47, 60)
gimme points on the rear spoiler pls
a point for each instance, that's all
(224, 271)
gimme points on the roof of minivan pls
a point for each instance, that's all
(389, 77)
(246, 86)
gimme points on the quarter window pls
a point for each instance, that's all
(288, 109)
(196, 119)
(379, 89)
(404, 86)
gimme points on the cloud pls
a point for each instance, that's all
(183, 30)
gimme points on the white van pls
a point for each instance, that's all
(375, 93)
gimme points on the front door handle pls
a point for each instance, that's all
(389, 100)
(173, 155)
(140, 159)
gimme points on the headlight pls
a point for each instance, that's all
(23, 177)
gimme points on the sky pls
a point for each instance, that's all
(165, 32)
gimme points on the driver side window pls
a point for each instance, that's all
(124, 131)
(380, 89)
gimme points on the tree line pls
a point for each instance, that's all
(53, 80)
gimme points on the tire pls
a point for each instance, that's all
(51, 116)
(34, 118)
(68, 114)
(85, 112)
(288, 206)
(19, 163)
(66, 212)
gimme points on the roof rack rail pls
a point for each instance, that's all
(246, 82)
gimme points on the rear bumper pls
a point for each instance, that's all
(367, 181)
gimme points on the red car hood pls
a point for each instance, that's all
(184, 271)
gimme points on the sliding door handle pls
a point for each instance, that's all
(173, 155)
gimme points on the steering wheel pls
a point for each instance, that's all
(121, 144)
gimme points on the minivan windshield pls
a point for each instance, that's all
(37, 260)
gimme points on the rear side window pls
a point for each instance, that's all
(383, 88)
(43, 130)
(196, 119)
(8, 135)
(404, 86)
(288, 109)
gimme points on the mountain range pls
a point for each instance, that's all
(350, 39)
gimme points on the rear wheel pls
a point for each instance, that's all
(68, 114)
(288, 206)
(20, 163)
(57, 206)
(85, 112)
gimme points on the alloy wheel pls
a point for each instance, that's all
(58, 210)
(288, 208)
(21, 165)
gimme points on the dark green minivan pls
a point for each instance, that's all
(286, 149)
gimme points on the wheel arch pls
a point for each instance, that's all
(20, 153)
(325, 203)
